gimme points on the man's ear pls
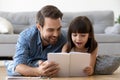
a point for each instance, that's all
(39, 27)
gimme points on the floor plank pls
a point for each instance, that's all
(2, 73)
(115, 76)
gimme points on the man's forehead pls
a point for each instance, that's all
(52, 23)
(47, 19)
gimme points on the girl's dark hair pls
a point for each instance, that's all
(48, 11)
(82, 24)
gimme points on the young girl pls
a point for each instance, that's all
(81, 39)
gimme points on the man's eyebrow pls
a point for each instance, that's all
(60, 27)
(57, 28)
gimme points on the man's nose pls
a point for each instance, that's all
(56, 33)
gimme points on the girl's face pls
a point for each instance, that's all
(80, 39)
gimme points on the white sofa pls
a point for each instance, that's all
(108, 43)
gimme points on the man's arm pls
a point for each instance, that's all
(46, 68)
(27, 70)
(21, 64)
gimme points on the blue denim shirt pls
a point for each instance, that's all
(29, 48)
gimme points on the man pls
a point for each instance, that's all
(36, 42)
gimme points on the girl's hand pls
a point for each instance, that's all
(89, 70)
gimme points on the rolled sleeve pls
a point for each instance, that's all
(22, 51)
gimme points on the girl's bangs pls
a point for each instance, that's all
(80, 28)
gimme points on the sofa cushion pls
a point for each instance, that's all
(106, 64)
(8, 38)
(20, 20)
(99, 19)
(107, 38)
(20, 28)
(5, 26)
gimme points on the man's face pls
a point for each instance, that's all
(50, 31)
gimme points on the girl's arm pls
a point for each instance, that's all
(90, 70)
(65, 47)
(93, 58)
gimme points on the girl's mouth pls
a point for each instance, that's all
(79, 43)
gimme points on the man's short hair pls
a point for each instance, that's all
(48, 11)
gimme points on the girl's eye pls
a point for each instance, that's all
(83, 35)
(74, 34)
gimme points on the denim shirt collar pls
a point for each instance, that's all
(39, 38)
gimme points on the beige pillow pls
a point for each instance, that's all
(5, 26)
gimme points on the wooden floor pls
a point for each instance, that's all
(2, 73)
(115, 76)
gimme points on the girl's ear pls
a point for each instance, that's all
(39, 27)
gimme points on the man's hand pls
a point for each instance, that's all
(48, 69)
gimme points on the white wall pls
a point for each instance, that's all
(63, 5)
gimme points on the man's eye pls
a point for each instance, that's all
(58, 29)
(50, 30)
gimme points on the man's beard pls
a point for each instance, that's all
(48, 41)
